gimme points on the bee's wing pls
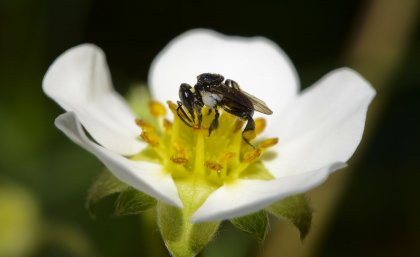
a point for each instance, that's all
(233, 93)
(259, 105)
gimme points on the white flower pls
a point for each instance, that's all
(318, 129)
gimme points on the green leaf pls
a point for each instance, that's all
(295, 209)
(182, 238)
(256, 224)
(132, 202)
(106, 184)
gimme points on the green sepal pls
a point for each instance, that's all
(256, 224)
(132, 202)
(105, 185)
(182, 238)
(295, 209)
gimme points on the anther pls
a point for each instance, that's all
(260, 125)
(179, 160)
(249, 134)
(167, 124)
(178, 147)
(214, 166)
(145, 126)
(172, 107)
(251, 155)
(157, 109)
(268, 142)
(225, 157)
(150, 138)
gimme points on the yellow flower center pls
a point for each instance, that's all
(186, 152)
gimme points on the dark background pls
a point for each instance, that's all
(377, 211)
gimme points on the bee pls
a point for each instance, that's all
(214, 92)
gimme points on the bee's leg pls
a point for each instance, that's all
(199, 114)
(232, 84)
(249, 131)
(215, 123)
(191, 112)
(209, 112)
(183, 115)
(187, 101)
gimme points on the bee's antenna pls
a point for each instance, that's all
(248, 143)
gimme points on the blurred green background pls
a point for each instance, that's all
(371, 208)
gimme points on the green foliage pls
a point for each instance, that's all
(132, 202)
(182, 238)
(295, 209)
(105, 185)
(256, 224)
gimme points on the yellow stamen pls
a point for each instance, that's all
(179, 149)
(189, 151)
(225, 157)
(251, 155)
(179, 160)
(238, 125)
(172, 107)
(260, 124)
(151, 138)
(145, 126)
(167, 125)
(249, 134)
(157, 109)
(199, 152)
(268, 142)
(214, 166)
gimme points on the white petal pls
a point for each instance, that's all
(324, 125)
(147, 177)
(79, 81)
(248, 196)
(259, 66)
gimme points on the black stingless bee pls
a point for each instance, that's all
(213, 91)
